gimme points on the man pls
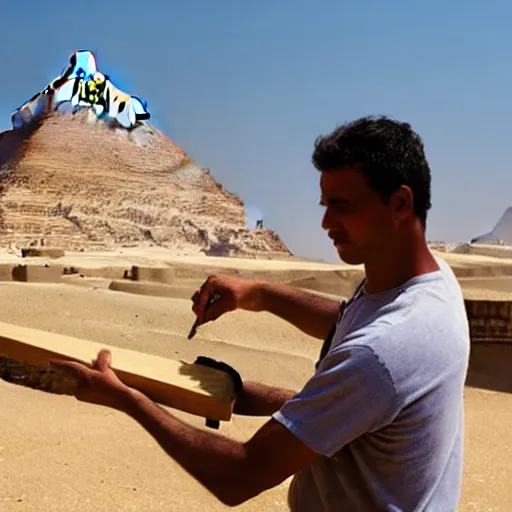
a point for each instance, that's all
(379, 426)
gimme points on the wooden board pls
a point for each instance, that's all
(188, 387)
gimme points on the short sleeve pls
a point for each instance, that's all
(351, 393)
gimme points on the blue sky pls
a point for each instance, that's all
(246, 87)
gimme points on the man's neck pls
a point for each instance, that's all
(397, 265)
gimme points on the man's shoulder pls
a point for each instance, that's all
(419, 330)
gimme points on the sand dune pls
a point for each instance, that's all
(486, 479)
(59, 455)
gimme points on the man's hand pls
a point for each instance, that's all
(97, 384)
(234, 292)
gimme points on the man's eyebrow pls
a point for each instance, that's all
(333, 201)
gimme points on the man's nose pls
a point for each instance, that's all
(328, 220)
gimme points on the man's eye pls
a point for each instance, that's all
(341, 206)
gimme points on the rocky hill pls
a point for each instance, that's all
(76, 182)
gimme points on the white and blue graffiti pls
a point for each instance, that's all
(82, 85)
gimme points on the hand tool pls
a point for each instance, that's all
(211, 300)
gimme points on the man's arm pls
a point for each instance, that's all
(234, 472)
(312, 314)
(257, 399)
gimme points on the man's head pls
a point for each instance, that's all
(375, 184)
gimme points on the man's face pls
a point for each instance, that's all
(356, 218)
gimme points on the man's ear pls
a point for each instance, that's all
(402, 203)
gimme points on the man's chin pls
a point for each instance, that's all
(348, 256)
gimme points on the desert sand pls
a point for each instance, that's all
(58, 454)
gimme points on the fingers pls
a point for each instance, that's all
(70, 365)
(212, 313)
(200, 297)
(104, 360)
(218, 308)
(227, 288)
(102, 363)
(96, 383)
(75, 369)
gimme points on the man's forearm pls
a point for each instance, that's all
(256, 399)
(215, 461)
(310, 313)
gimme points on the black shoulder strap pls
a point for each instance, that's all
(327, 342)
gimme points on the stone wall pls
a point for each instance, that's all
(490, 321)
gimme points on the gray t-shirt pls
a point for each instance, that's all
(384, 408)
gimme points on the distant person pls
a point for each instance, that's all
(379, 426)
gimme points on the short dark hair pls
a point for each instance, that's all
(388, 152)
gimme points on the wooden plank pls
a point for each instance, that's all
(192, 388)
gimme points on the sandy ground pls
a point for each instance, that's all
(57, 454)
